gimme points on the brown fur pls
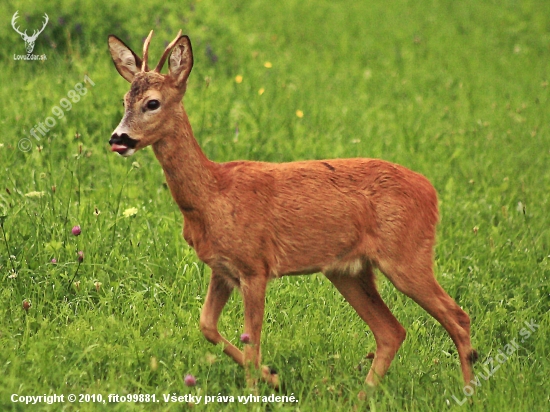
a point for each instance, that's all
(253, 221)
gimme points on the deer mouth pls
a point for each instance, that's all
(123, 144)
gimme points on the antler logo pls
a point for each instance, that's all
(29, 40)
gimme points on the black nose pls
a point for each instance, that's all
(123, 139)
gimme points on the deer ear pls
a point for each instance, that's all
(181, 61)
(126, 61)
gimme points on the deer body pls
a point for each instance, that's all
(278, 215)
(253, 221)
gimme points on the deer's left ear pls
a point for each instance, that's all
(181, 62)
(126, 61)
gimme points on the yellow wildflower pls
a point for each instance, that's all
(35, 194)
(130, 212)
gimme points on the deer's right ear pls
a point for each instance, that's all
(126, 61)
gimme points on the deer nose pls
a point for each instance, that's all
(120, 143)
(118, 138)
(123, 138)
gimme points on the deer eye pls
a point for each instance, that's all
(153, 104)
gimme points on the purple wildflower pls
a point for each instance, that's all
(190, 380)
(245, 338)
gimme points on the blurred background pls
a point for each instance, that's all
(456, 90)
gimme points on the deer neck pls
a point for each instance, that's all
(188, 171)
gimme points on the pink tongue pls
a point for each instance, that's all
(119, 148)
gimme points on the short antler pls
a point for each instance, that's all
(144, 66)
(167, 52)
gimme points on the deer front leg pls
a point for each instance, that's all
(216, 298)
(253, 291)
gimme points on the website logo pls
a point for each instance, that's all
(29, 40)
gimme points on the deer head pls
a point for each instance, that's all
(29, 40)
(153, 103)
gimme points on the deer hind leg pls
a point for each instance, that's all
(419, 284)
(216, 298)
(253, 291)
(360, 291)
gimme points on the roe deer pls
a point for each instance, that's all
(254, 221)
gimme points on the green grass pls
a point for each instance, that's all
(457, 90)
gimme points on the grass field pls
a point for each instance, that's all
(456, 90)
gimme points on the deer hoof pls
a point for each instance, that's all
(270, 376)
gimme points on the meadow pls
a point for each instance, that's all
(456, 90)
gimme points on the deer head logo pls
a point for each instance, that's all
(29, 40)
